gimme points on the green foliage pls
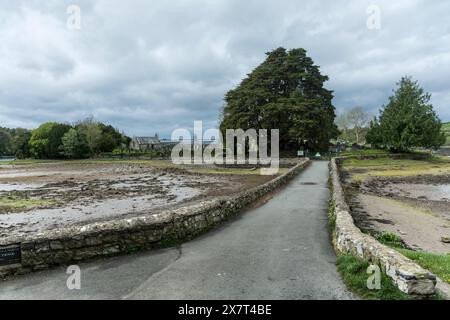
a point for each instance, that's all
(71, 144)
(374, 135)
(46, 140)
(54, 140)
(391, 240)
(96, 137)
(5, 142)
(407, 121)
(446, 131)
(90, 136)
(332, 214)
(439, 264)
(354, 273)
(111, 138)
(14, 142)
(285, 92)
(364, 152)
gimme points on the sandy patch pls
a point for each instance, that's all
(420, 229)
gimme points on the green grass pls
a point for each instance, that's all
(446, 130)
(391, 240)
(353, 271)
(389, 167)
(368, 152)
(332, 215)
(439, 264)
(8, 203)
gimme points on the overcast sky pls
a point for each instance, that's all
(153, 66)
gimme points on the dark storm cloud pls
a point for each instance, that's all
(153, 66)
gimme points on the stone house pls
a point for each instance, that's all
(145, 143)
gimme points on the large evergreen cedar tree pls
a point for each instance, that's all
(408, 121)
(285, 92)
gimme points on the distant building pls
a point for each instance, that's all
(145, 143)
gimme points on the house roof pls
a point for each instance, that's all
(146, 140)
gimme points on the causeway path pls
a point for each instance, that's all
(279, 250)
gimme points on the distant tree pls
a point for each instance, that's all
(358, 119)
(46, 140)
(374, 135)
(70, 146)
(19, 143)
(408, 120)
(111, 138)
(91, 135)
(285, 92)
(343, 124)
(5, 142)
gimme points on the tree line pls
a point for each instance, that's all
(53, 140)
(287, 92)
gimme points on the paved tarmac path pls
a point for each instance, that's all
(280, 250)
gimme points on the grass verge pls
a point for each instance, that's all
(363, 169)
(368, 152)
(353, 271)
(439, 264)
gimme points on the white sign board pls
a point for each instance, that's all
(301, 153)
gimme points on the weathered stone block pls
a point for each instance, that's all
(56, 245)
(110, 250)
(93, 241)
(87, 253)
(75, 242)
(62, 257)
(153, 235)
(41, 247)
(27, 246)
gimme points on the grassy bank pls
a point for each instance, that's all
(353, 271)
(439, 264)
(446, 130)
(389, 167)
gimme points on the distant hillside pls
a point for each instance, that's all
(446, 129)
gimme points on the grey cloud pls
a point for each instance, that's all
(153, 66)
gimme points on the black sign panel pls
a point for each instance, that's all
(10, 255)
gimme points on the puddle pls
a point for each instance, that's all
(15, 187)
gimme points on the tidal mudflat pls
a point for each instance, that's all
(40, 196)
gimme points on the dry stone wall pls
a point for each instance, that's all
(348, 238)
